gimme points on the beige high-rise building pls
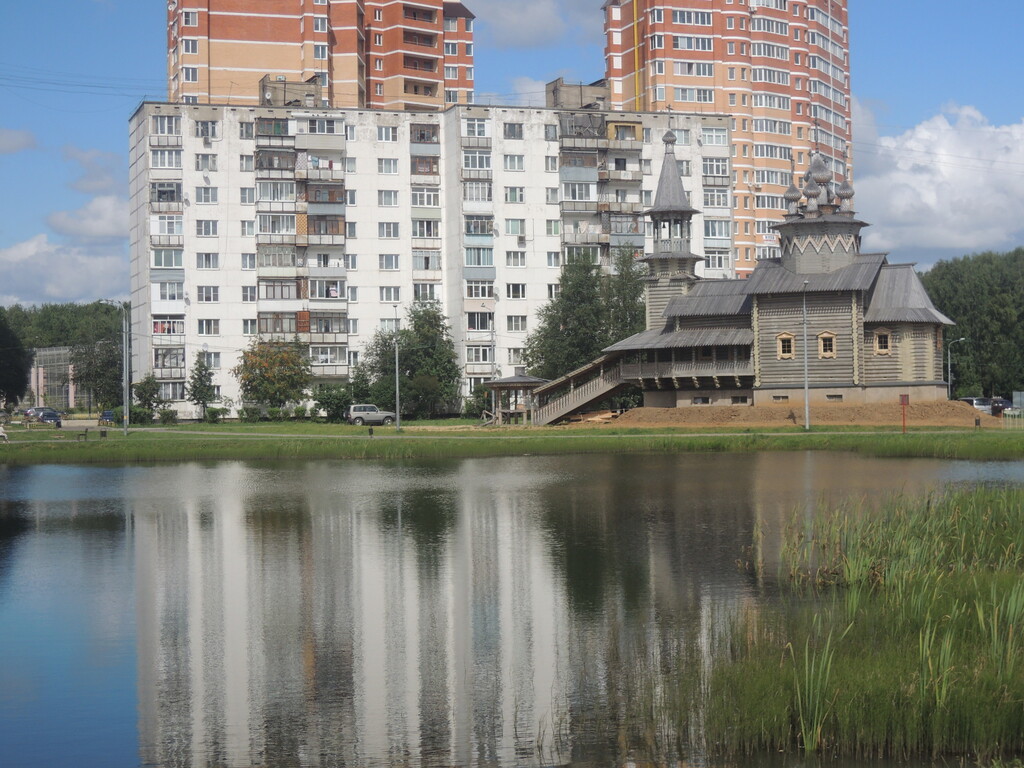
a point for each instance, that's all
(381, 54)
(779, 68)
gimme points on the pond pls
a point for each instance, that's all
(495, 611)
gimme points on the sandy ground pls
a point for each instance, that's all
(940, 414)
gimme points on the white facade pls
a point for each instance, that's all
(323, 224)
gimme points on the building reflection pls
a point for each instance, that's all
(482, 612)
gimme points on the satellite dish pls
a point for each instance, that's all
(268, 95)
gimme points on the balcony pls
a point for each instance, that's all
(325, 209)
(329, 173)
(586, 237)
(280, 238)
(583, 142)
(165, 141)
(604, 174)
(704, 369)
(329, 370)
(619, 206)
(266, 141)
(165, 374)
(325, 141)
(167, 241)
(168, 339)
(476, 142)
(166, 206)
(579, 206)
(275, 206)
(716, 181)
(325, 239)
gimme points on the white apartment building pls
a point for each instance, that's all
(324, 225)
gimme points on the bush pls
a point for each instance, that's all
(300, 412)
(168, 416)
(215, 415)
(249, 414)
(333, 401)
(277, 414)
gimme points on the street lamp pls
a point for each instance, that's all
(807, 387)
(949, 364)
(398, 400)
(125, 375)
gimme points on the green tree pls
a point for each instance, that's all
(573, 327)
(15, 364)
(273, 373)
(624, 295)
(147, 393)
(333, 401)
(97, 367)
(428, 365)
(984, 295)
(65, 325)
(199, 389)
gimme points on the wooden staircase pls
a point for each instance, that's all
(591, 383)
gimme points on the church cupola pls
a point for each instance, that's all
(672, 264)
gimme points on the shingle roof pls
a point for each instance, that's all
(670, 197)
(772, 277)
(693, 337)
(709, 298)
(899, 297)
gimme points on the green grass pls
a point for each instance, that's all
(308, 440)
(902, 637)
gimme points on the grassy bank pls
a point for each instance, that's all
(319, 441)
(912, 645)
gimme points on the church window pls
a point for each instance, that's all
(784, 346)
(826, 345)
(883, 342)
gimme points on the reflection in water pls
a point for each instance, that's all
(503, 611)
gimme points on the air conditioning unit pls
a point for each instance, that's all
(206, 141)
(522, 241)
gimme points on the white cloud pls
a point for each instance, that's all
(102, 172)
(12, 141)
(103, 217)
(537, 23)
(38, 270)
(953, 183)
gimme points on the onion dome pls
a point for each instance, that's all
(845, 195)
(812, 191)
(819, 171)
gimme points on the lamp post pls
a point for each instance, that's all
(125, 375)
(949, 364)
(807, 387)
(398, 395)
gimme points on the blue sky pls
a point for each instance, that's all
(938, 127)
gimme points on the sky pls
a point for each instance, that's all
(938, 146)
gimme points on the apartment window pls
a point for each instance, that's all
(277, 289)
(167, 258)
(206, 195)
(425, 292)
(171, 291)
(207, 261)
(475, 126)
(190, 74)
(387, 230)
(477, 353)
(387, 133)
(190, 18)
(551, 195)
(714, 137)
(826, 345)
(246, 130)
(277, 223)
(350, 230)
(515, 356)
(319, 23)
(276, 322)
(249, 327)
(248, 293)
(514, 163)
(426, 228)
(206, 162)
(320, 52)
(515, 258)
(245, 163)
(451, 49)
(479, 257)
(514, 194)
(425, 197)
(350, 197)
(554, 289)
(554, 258)
(551, 163)
(323, 125)
(551, 132)
(516, 323)
(388, 261)
(553, 227)
(207, 294)
(578, 192)
(247, 228)
(515, 291)
(353, 293)
(166, 158)
(515, 226)
(784, 346)
(190, 46)
(390, 294)
(247, 195)
(327, 289)
(479, 289)
(451, 73)
(476, 159)
(477, 191)
(206, 129)
(480, 321)
(166, 125)
(387, 165)
(206, 228)
(479, 225)
(513, 130)
(387, 198)
(424, 259)
(209, 327)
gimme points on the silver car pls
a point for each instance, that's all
(368, 414)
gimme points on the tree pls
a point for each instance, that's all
(984, 295)
(624, 295)
(147, 393)
(15, 364)
(428, 365)
(273, 373)
(199, 389)
(333, 401)
(573, 327)
(97, 367)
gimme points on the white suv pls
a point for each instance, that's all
(368, 414)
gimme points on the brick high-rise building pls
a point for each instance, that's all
(381, 54)
(780, 68)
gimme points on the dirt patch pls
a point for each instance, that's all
(938, 414)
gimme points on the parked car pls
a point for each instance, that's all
(368, 414)
(983, 404)
(37, 414)
(50, 416)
